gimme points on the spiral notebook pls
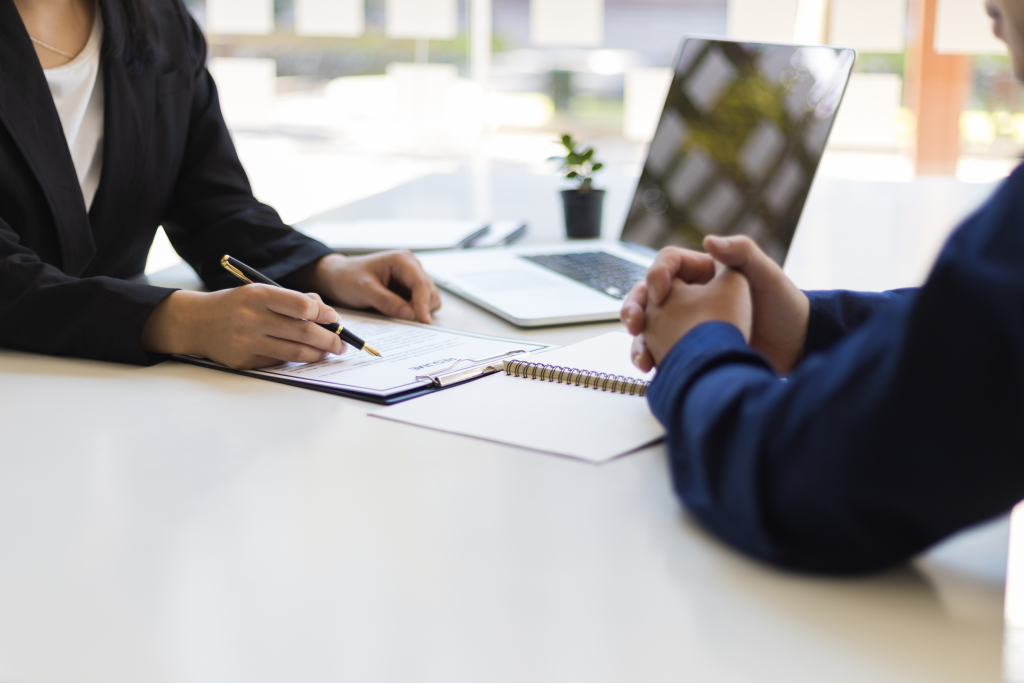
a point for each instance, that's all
(576, 377)
(583, 401)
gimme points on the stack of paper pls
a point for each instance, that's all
(367, 236)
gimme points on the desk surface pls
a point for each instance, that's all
(178, 524)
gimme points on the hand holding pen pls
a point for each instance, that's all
(252, 276)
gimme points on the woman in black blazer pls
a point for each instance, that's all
(167, 159)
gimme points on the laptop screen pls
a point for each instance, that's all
(739, 141)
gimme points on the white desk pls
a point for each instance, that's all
(179, 524)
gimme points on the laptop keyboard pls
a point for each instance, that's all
(598, 270)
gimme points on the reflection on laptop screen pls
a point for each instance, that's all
(743, 130)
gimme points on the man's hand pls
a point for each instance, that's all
(393, 282)
(781, 311)
(248, 327)
(671, 263)
(725, 298)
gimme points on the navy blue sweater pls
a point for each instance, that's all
(903, 424)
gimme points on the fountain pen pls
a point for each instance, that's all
(252, 276)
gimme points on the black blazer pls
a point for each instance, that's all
(167, 160)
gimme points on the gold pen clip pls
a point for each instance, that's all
(234, 271)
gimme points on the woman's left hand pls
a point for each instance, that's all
(393, 282)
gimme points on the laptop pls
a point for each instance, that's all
(739, 141)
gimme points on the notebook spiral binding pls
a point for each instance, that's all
(599, 381)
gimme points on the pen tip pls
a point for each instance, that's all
(369, 349)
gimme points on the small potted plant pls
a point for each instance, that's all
(584, 205)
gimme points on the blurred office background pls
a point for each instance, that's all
(331, 101)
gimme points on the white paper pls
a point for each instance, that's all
(574, 23)
(357, 237)
(243, 17)
(342, 18)
(543, 416)
(408, 350)
(501, 232)
(422, 19)
(962, 27)
(762, 20)
(869, 25)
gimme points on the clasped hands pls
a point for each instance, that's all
(734, 282)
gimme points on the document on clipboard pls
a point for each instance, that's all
(417, 360)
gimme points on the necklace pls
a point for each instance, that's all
(50, 47)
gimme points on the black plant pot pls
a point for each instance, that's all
(583, 213)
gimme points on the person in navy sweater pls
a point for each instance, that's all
(901, 416)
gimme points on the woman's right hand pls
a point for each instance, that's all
(254, 326)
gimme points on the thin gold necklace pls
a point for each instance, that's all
(50, 47)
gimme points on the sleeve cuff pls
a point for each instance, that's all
(113, 328)
(277, 261)
(309, 252)
(705, 346)
(825, 325)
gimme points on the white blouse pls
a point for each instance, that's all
(77, 89)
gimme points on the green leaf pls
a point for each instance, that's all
(596, 167)
(574, 159)
(589, 154)
(571, 175)
(567, 141)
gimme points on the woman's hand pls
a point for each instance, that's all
(248, 327)
(258, 326)
(393, 282)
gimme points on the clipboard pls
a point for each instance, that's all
(417, 360)
(442, 380)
